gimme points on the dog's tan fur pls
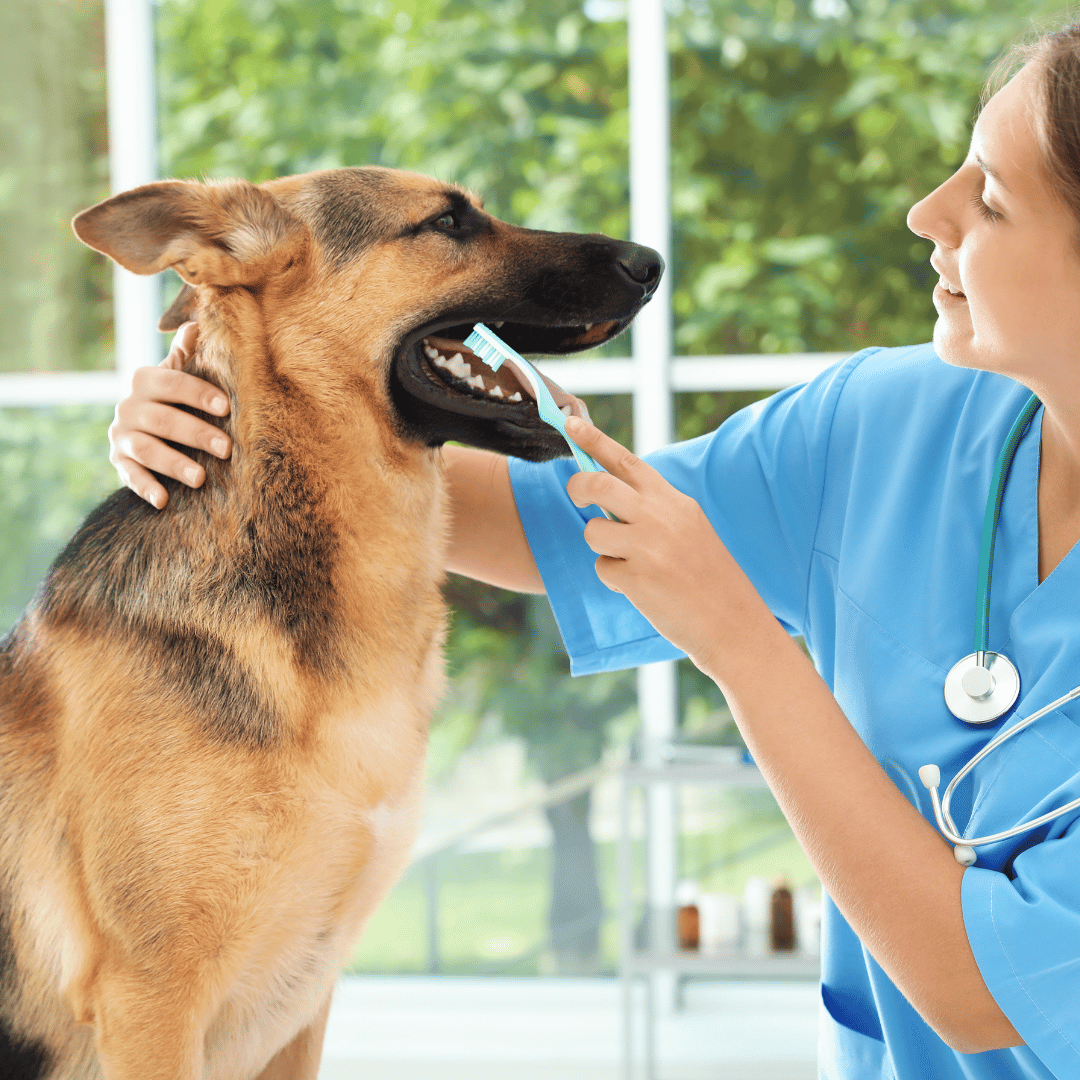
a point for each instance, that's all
(213, 720)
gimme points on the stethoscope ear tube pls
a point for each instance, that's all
(930, 775)
(964, 854)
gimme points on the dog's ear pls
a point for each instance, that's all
(225, 233)
(180, 310)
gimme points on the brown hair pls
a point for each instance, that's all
(1055, 56)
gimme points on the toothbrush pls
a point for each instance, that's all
(491, 348)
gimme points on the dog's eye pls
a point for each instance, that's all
(447, 221)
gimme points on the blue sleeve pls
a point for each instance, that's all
(759, 478)
(1025, 933)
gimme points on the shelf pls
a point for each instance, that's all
(725, 774)
(726, 965)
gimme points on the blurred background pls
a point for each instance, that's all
(801, 133)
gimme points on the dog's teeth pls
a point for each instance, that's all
(566, 410)
(515, 396)
(432, 353)
(459, 367)
(476, 381)
(589, 326)
(496, 391)
(498, 324)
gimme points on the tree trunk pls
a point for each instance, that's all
(577, 908)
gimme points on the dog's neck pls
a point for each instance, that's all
(334, 516)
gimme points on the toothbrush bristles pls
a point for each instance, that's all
(487, 350)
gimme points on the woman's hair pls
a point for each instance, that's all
(1055, 57)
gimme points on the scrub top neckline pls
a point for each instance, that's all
(1024, 519)
(1038, 548)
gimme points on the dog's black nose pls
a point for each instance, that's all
(641, 265)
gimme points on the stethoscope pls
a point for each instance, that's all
(984, 685)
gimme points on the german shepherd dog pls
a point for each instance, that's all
(213, 719)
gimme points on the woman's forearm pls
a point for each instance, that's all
(487, 540)
(887, 869)
(889, 872)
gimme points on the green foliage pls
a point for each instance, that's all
(800, 142)
(53, 470)
(802, 132)
(523, 103)
(55, 294)
(507, 661)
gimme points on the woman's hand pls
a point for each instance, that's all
(662, 553)
(146, 417)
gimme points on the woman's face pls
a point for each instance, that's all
(1007, 250)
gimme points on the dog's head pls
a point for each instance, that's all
(381, 274)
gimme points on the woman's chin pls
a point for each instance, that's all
(955, 344)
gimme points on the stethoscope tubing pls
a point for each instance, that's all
(990, 521)
(946, 825)
(930, 775)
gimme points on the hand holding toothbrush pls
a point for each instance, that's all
(662, 553)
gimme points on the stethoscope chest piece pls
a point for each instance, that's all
(978, 693)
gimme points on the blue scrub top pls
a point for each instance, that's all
(855, 505)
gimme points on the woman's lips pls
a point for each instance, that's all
(944, 297)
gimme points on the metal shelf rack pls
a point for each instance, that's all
(660, 953)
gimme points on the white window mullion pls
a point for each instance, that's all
(129, 74)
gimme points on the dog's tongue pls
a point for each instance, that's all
(577, 406)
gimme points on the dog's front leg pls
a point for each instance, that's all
(299, 1059)
(147, 1028)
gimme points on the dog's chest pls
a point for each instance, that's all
(349, 839)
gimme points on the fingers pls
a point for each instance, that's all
(161, 421)
(558, 394)
(142, 482)
(609, 538)
(613, 456)
(603, 489)
(177, 388)
(146, 419)
(183, 345)
(144, 449)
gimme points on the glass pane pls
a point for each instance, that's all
(55, 294)
(54, 468)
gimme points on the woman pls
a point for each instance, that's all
(850, 510)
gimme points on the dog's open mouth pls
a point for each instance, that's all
(464, 373)
(444, 392)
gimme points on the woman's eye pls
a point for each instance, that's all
(984, 210)
(447, 221)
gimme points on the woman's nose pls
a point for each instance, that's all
(933, 218)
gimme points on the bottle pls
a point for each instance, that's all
(719, 920)
(755, 916)
(782, 917)
(687, 916)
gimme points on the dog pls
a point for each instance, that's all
(213, 719)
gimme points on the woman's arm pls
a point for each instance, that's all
(887, 869)
(487, 540)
